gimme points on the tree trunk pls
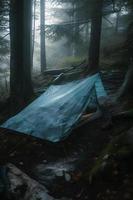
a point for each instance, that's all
(21, 50)
(73, 31)
(117, 22)
(87, 32)
(42, 36)
(94, 48)
(33, 31)
(77, 29)
(126, 90)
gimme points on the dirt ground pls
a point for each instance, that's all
(85, 144)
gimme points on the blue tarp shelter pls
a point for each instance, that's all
(56, 112)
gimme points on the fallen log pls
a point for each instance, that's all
(54, 72)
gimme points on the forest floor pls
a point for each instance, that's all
(92, 163)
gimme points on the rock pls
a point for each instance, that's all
(67, 177)
(44, 161)
(106, 157)
(22, 187)
(21, 163)
(55, 174)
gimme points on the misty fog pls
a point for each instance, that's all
(59, 51)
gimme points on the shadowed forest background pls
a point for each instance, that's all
(64, 31)
(45, 42)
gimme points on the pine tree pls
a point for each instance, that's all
(21, 50)
(42, 36)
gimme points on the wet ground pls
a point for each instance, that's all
(61, 166)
